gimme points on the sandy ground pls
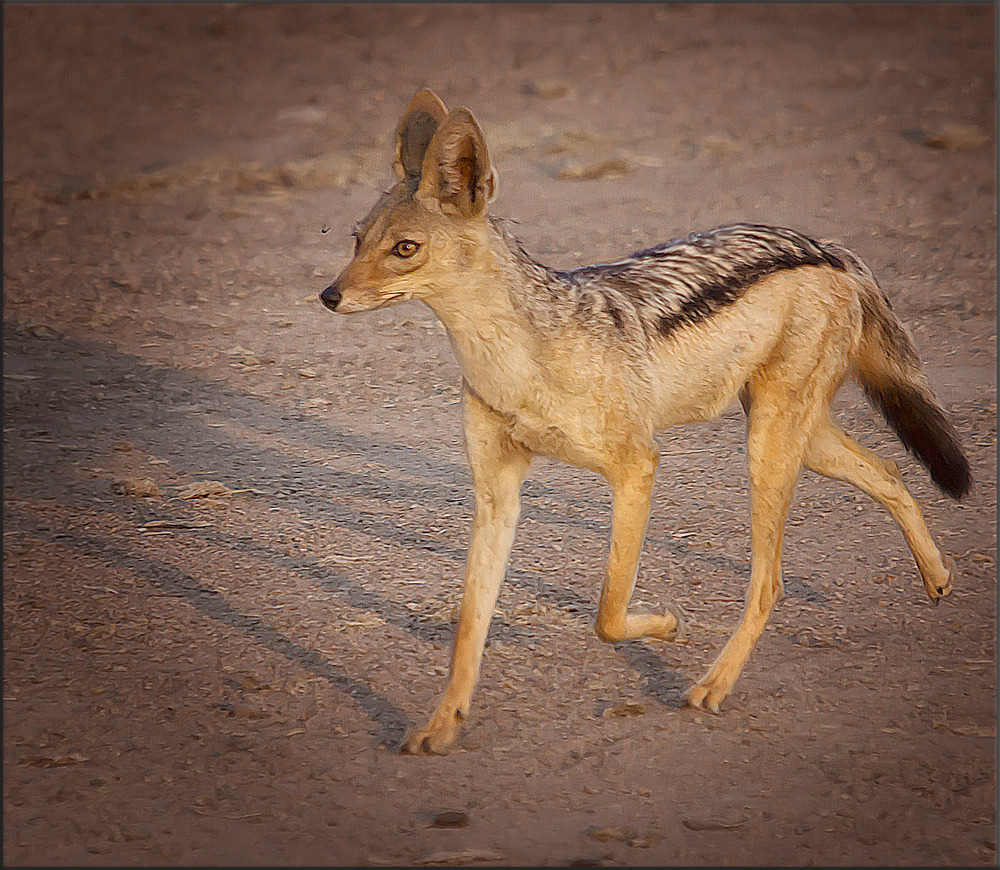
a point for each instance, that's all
(226, 678)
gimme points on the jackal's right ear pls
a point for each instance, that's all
(415, 130)
(457, 175)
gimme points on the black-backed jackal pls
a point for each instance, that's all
(586, 365)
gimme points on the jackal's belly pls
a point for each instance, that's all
(589, 417)
(700, 369)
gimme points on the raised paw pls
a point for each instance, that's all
(679, 631)
(668, 627)
(436, 737)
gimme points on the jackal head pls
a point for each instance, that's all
(415, 241)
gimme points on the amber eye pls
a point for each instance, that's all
(405, 248)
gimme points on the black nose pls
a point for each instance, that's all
(331, 296)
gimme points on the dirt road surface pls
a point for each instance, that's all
(201, 673)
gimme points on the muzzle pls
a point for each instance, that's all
(330, 297)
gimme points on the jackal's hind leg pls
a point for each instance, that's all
(775, 444)
(632, 483)
(833, 454)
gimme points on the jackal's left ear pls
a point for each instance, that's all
(414, 131)
(457, 173)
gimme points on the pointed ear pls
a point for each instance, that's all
(414, 131)
(457, 173)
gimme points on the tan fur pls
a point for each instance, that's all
(539, 380)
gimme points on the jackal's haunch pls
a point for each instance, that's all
(587, 365)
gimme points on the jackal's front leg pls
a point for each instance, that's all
(632, 481)
(498, 468)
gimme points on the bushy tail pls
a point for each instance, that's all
(888, 368)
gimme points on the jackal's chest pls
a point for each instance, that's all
(558, 400)
(571, 427)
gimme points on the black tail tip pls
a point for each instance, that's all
(953, 474)
(925, 430)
